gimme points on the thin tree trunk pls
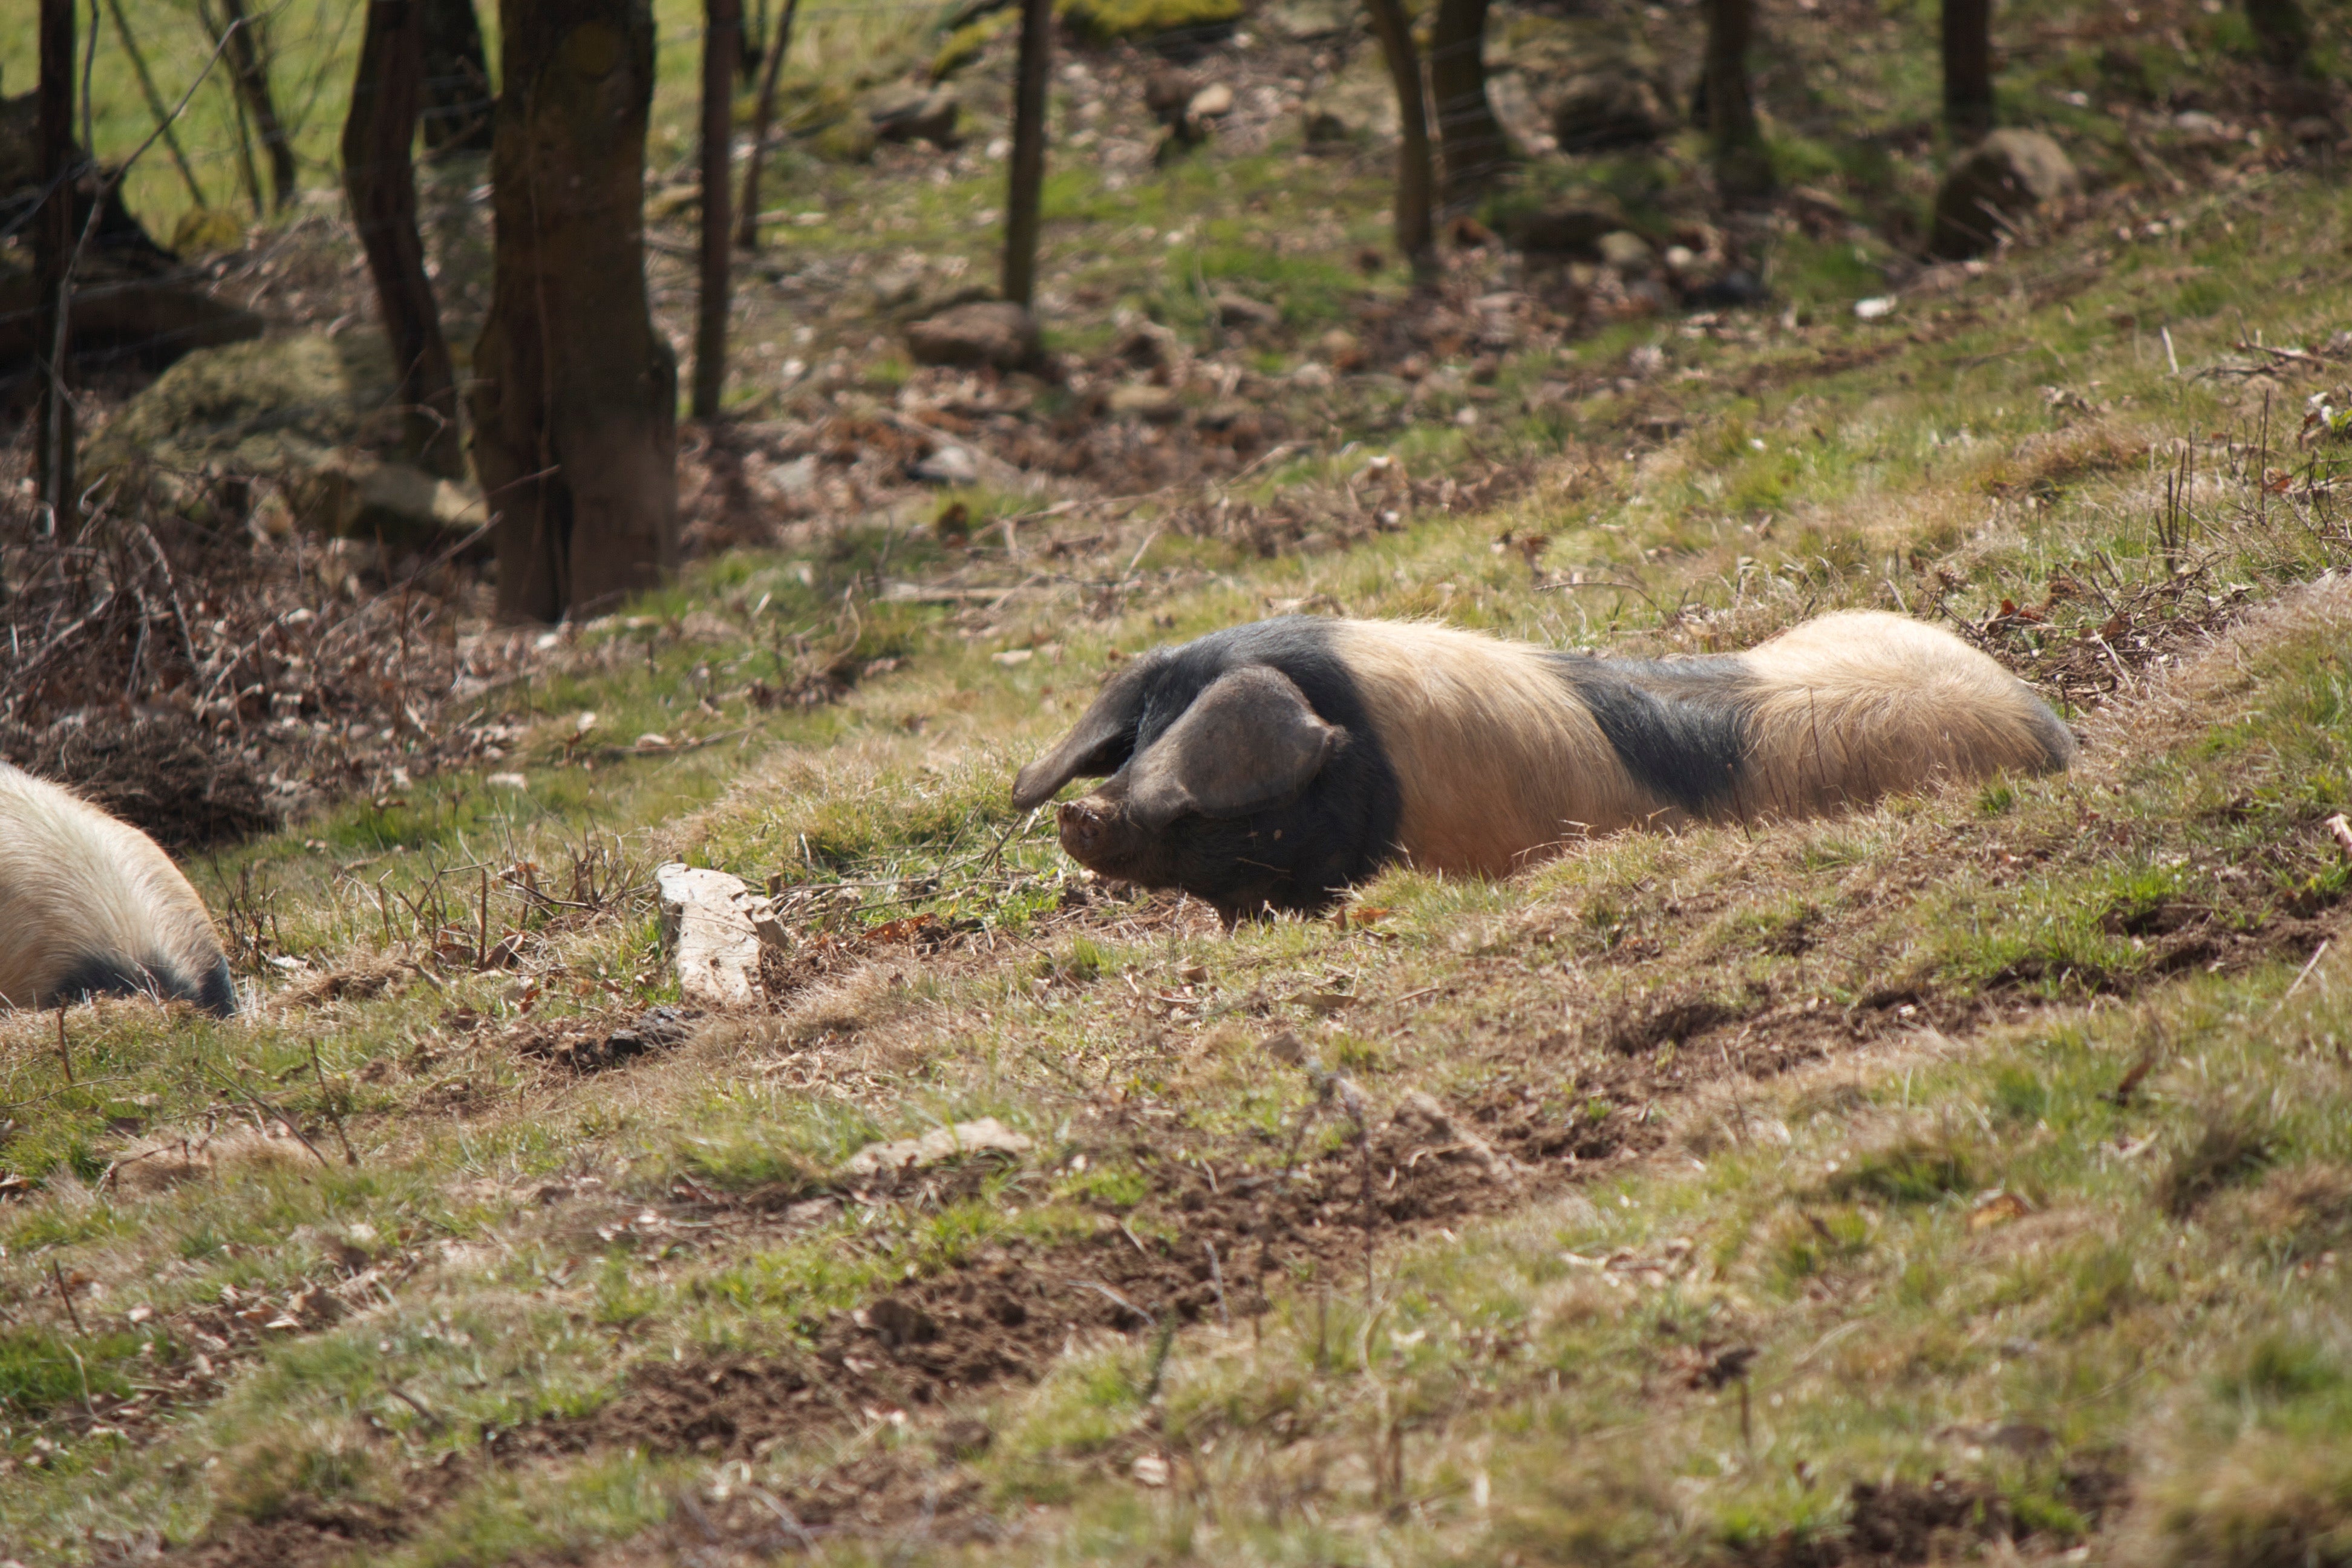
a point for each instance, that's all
(53, 241)
(1415, 236)
(755, 42)
(2283, 30)
(249, 59)
(457, 101)
(574, 394)
(1967, 70)
(381, 182)
(763, 119)
(1476, 149)
(1742, 165)
(155, 104)
(722, 41)
(1024, 198)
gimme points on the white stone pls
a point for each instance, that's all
(709, 936)
(987, 1135)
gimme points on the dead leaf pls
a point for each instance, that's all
(1999, 1209)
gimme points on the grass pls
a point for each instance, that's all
(1993, 1137)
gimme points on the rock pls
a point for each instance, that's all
(2010, 176)
(1563, 231)
(1211, 102)
(1342, 347)
(1303, 21)
(1166, 92)
(1421, 1113)
(708, 935)
(985, 1136)
(281, 408)
(207, 231)
(1241, 310)
(948, 466)
(1626, 251)
(1608, 109)
(986, 332)
(915, 114)
(2312, 129)
(1738, 287)
(1323, 128)
(1182, 27)
(355, 496)
(1152, 405)
(851, 140)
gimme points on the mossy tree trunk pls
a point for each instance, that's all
(1416, 236)
(1743, 167)
(1024, 196)
(574, 394)
(1967, 70)
(380, 182)
(53, 244)
(1476, 149)
(722, 42)
(764, 120)
(458, 98)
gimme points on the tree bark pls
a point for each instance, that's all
(574, 396)
(1415, 235)
(155, 105)
(457, 100)
(248, 60)
(1476, 149)
(1742, 165)
(1024, 198)
(763, 120)
(53, 243)
(1967, 70)
(722, 43)
(2283, 30)
(380, 182)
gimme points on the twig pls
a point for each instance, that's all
(64, 1295)
(279, 1117)
(327, 1102)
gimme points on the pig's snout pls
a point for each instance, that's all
(1085, 829)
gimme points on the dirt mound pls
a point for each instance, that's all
(306, 1532)
(594, 1044)
(1902, 1522)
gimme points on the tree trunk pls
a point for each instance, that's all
(574, 394)
(1476, 150)
(722, 42)
(155, 105)
(457, 101)
(53, 243)
(763, 120)
(2283, 30)
(1025, 200)
(249, 59)
(1742, 165)
(382, 185)
(755, 43)
(1415, 236)
(1967, 70)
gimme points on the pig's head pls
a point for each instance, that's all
(1217, 782)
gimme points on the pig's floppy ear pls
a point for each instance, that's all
(1247, 743)
(1098, 744)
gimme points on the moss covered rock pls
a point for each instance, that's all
(1113, 21)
